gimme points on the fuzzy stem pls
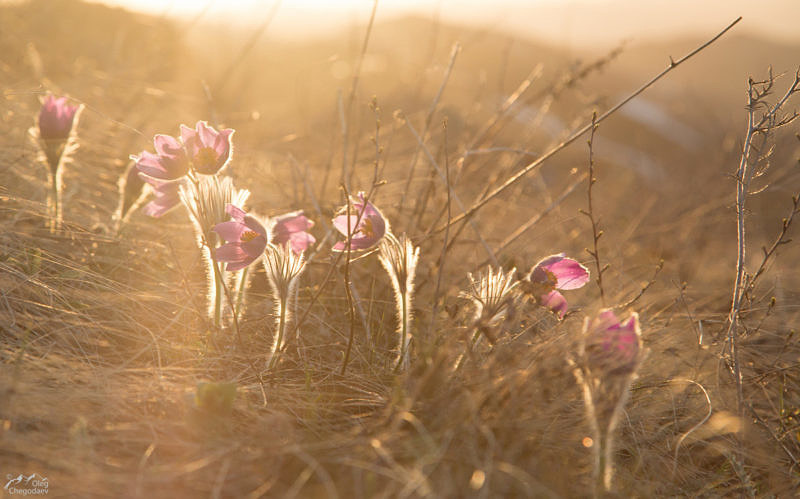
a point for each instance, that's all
(53, 205)
(603, 462)
(55, 201)
(402, 359)
(217, 291)
(278, 345)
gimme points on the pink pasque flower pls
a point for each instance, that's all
(292, 228)
(613, 346)
(367, 226)
(246, 239)
(167, 195)
(208, 150)
(169, 162)
(56, 118)
(553, 273)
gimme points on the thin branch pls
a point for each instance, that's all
(596, 232)
(346, 114)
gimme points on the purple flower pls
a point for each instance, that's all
(613, 346)
(245, 236)
(167, 195)
(292, 228)
(169, 162)
(551, 274)
(208, 150)
(56, 118)
(368, 225)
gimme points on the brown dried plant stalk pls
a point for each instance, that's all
(751, 164)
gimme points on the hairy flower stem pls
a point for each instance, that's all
(402, 358)
(602, 457)
(218, 283)
(277, 346)
(54, 201)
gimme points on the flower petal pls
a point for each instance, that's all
(230, 231)
(340, 223)
(556, 302)
(300, 241)
(235, 212)
(568, 273)
(167, 145)
(253, 224)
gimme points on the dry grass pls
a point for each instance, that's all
(103, 339)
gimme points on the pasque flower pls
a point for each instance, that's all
(292, 228)
(208, 150)
(611, 346)
(610, 352)
(245, 236)
(56, 118)
(57, 139)
(202, 150)
(166, 195)
(169, 162)
(367, 226)
(556, 272)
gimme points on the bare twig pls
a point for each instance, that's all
(347, 112)
(644, 289)
(443, 255)
(589, 212)
(348, 292)
(746, 171)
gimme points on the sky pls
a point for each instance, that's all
(564, 22)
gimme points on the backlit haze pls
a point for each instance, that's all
(568, 23)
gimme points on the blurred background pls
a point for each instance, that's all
(567, 23)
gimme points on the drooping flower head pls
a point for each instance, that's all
(367, 225)
(611, 346)
(245, 236)
(556, 272)
(166, 195)
(208, 150)
(56, 118)
(292, 228)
